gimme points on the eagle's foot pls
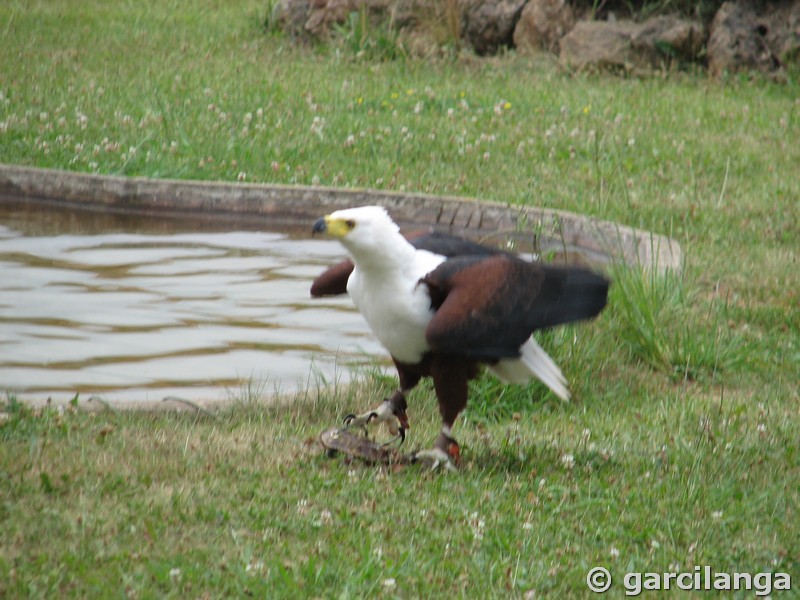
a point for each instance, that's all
(445, 453)
(392, 412)
(433, 458)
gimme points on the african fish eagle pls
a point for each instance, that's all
(442, 306)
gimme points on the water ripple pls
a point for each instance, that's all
(133, 311)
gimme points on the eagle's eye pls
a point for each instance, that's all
(350, 223)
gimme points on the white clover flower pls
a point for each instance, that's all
(254, 567)
(477, 524)
(318, 126)
(568, 460)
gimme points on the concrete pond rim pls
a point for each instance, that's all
(294, 206)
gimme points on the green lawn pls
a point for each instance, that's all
(679, 449)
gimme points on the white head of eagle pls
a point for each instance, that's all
(368, 233)
(442, 305)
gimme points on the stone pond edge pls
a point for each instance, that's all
(293, 205)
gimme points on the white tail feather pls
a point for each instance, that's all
(533, 361)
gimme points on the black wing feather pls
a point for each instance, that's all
(450, 246)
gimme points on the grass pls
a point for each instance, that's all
(659, 329)
(679, 449)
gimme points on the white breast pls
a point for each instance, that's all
(395, 306)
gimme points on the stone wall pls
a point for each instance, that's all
(742, 35)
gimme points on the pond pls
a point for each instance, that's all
(209, 300)
(135, 309)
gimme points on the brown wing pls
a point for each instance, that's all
(488, 306)
(333, 281)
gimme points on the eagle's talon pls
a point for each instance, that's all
(434, 458)
(401, 436)
(382, 414)
(445, 453)
(353, 420)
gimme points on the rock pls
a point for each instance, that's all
(290, 15)
(488, 25)
(324, 14)
(748, 36)
(735, 41)
(316, 18)
(783, 32)
(599, 44)
(626, 45)
(669, 38)
(542, 24)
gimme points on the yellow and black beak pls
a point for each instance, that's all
(334, 227)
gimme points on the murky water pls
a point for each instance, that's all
(137, 309)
